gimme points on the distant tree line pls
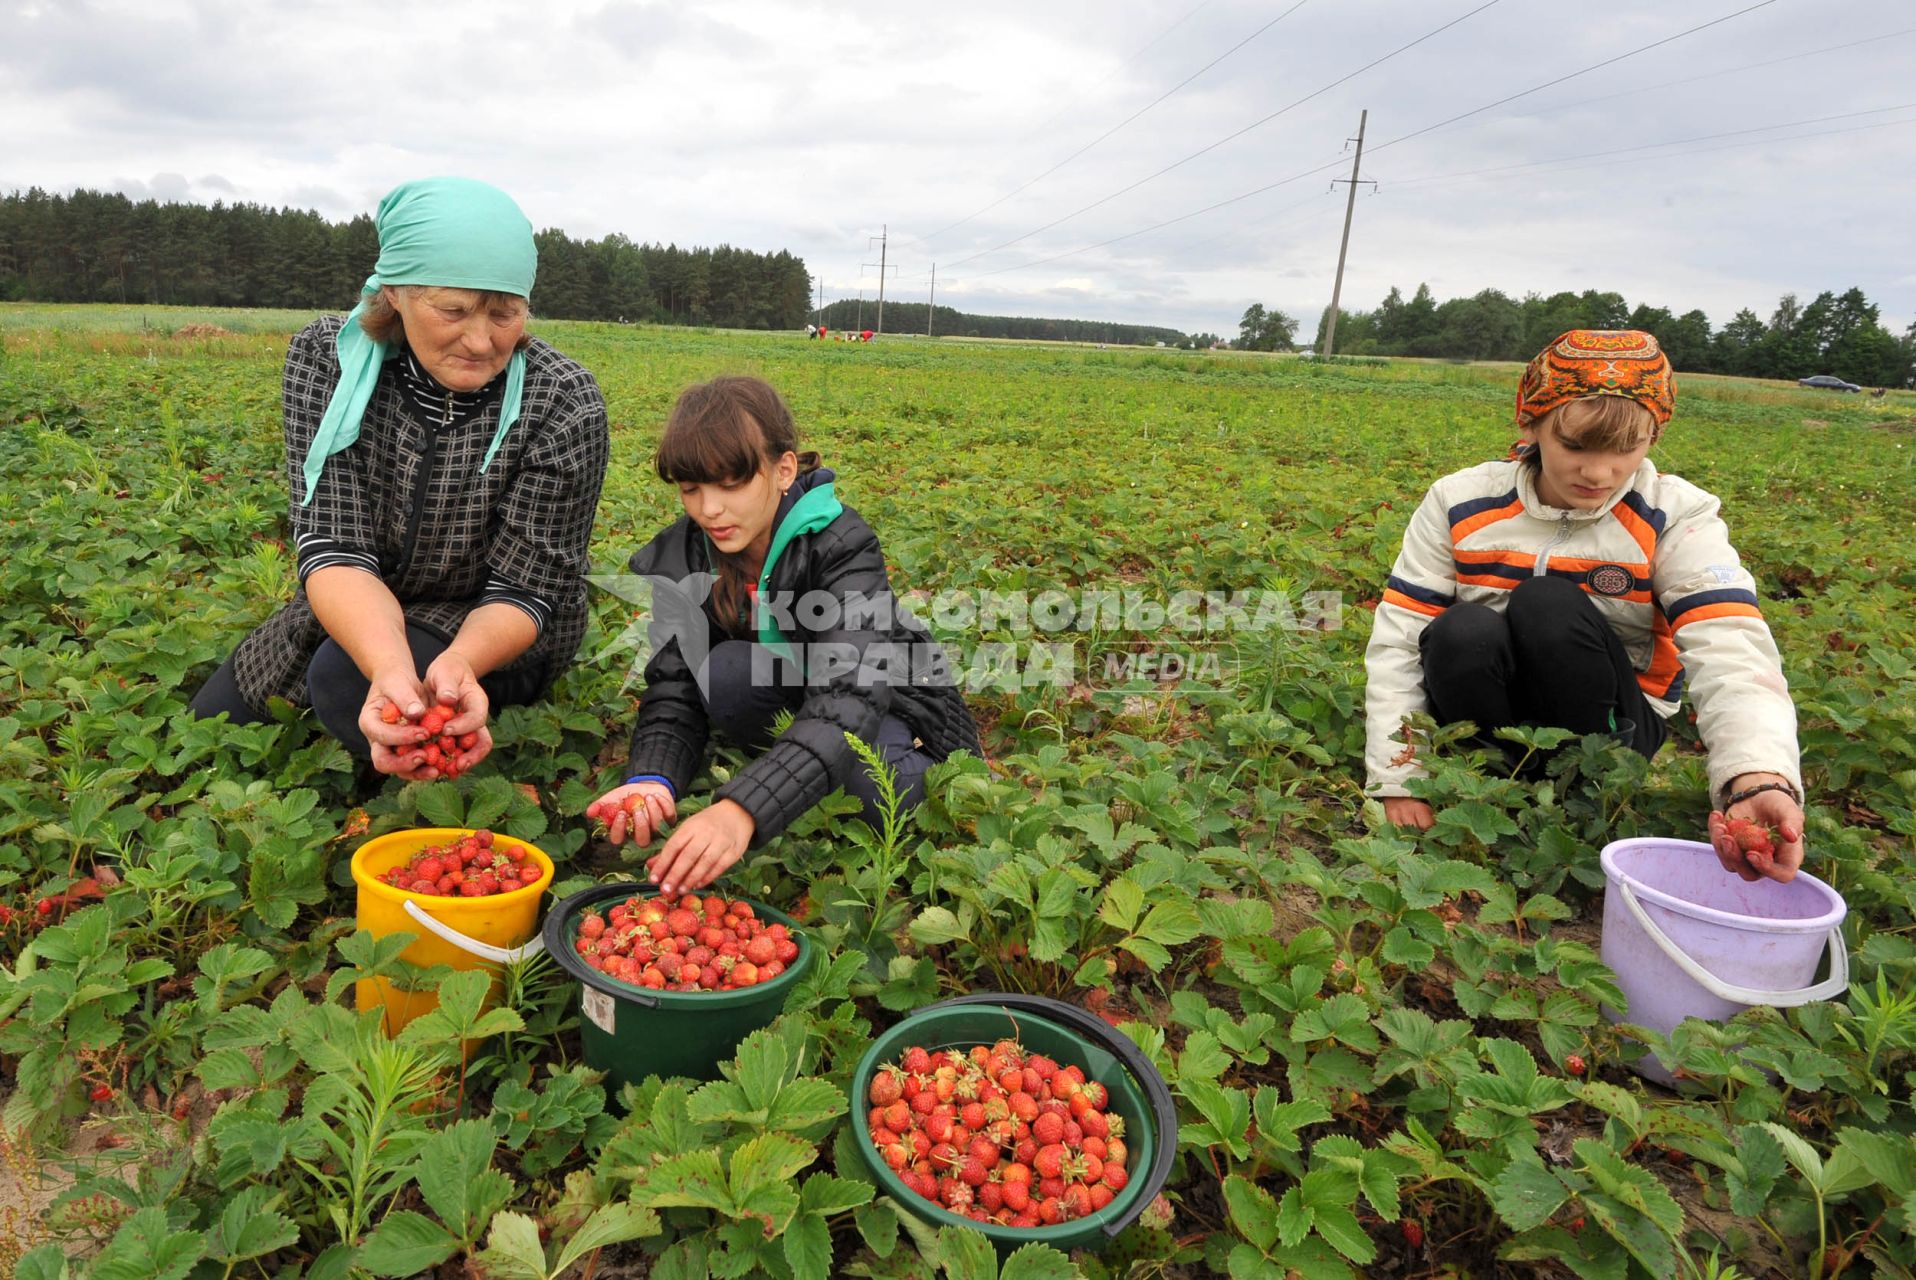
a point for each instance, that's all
(1833, 333)
(94, 246)
(909, 317)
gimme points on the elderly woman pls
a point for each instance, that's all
(445, 471)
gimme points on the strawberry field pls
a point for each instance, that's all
(1386, 1054)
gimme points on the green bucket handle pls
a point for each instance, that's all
(1164, 1110)
(472, 945)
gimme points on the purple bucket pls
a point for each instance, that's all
(1688, 939)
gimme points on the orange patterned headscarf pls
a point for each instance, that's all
(1598, 362)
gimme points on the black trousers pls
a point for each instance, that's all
(1549, 659)
(338, 691)
(742, 704)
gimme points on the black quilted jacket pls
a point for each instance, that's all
(810, 758)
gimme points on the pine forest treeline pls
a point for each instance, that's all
(1835, 333)
(94, 246)
(852, 315)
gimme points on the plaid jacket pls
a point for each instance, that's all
(413, 501)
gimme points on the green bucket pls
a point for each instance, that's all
(1071, 1037)
(631, 1033)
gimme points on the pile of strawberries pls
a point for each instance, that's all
(998, 1135)
(684, 942)
(441, 750)
(476, 866)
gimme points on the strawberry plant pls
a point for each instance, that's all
(1388, 1050)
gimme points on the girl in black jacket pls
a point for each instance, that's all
(769, 595)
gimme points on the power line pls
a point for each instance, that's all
(1568, 161)
(1146, 47)
(1158, 226)
(1120, 124)
(1152, 177)
(1570, 166)
(1711, 75)
(1257, 191)
(1651, 146)
(1595, 66)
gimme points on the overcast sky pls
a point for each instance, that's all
(788, 124)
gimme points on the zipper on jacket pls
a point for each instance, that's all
(423, 485)
(1562, 536)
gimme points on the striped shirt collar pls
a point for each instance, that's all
(434, 402)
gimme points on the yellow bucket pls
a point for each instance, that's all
(465, 933)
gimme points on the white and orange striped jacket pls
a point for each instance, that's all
(1657, 562)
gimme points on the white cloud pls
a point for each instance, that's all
(805, 125)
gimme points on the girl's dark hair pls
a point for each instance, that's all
(723, 432)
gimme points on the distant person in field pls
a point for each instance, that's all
(1573, 585)
(770, 596)
(445, 470)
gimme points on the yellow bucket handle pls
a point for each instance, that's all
(484, 950)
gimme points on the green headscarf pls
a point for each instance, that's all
(452, 232)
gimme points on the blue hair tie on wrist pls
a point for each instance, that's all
(653, 777)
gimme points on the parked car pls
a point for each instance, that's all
(1828, 382)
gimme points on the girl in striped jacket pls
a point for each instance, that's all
(1574, 585)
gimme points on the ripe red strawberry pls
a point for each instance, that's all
(916, 1061)
(101, 1092)
(1413, 1232)
(1017, 1195)
(1574, 1064)
(1049, 1162)
(991, 1196)
(1114, 1176)
(1751, 837)
(971, 1171)
(1048, 1129)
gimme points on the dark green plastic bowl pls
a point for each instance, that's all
(1071, 1037)
(631, 1032)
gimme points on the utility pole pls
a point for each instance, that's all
(860, 327)
(881, 237)
(818, 312)
(882, 270)
(1337, 287)
(931, 304)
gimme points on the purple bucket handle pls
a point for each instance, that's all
(1829, 988)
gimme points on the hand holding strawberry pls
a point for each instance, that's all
(1760, 836)
(425, 746)
(390, 719)
(639, 810)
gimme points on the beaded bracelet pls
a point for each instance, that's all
(1740, 796)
